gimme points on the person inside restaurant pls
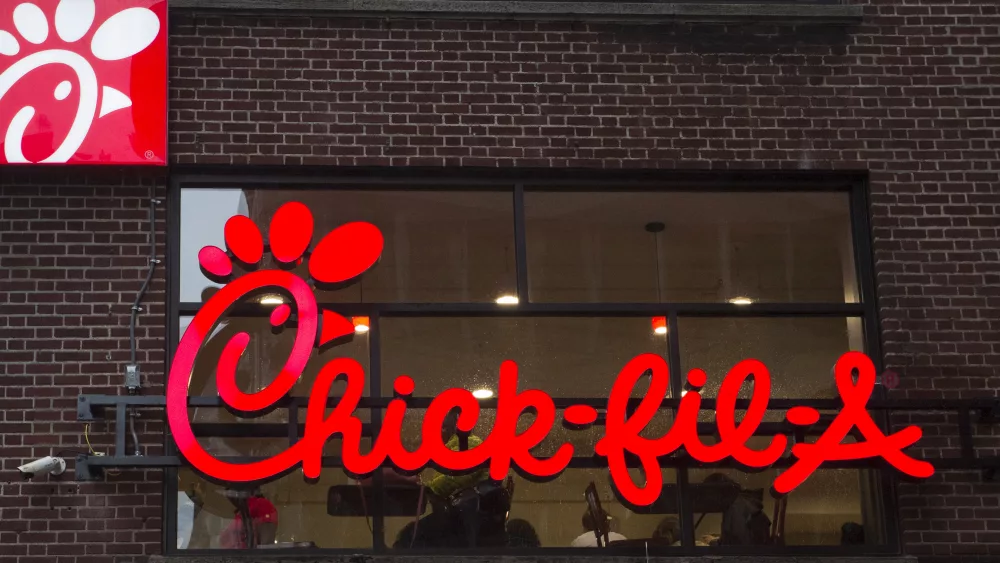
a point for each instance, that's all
(589, 536)
(255, 521)
(521, 534)
(465, 511)
(744, 521)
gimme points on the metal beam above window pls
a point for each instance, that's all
(640, 12)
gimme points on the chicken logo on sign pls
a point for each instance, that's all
(83, 82)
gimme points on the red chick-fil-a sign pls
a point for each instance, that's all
(353, 248)
(83, 82)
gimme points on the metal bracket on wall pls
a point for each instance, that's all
(91, 408)
(91, 468)
(96, 408)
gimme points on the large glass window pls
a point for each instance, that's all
(655, 247)
(564, 356)
(288, 512)
(441, 247)
(800, 352)
(570, 285)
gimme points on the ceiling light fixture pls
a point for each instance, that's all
(361, 324)
(741, 301)
(272, 300)
(482, 393)
(660, 325)
(507, 300)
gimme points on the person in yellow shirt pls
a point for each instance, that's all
(455, 519)
(442, 485)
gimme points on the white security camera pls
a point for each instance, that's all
(44, 466)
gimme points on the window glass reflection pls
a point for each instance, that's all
(251, 438)
(582, 440)
(833, 507)
(288, 512)
(565, 357)
(800, 353)
(439, 246)
(556, 513)
(518, 513)
(233, 446)
(203, 217)
(625, 246)
(265, 356)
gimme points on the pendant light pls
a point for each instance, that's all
(655, 228)
(361, 324)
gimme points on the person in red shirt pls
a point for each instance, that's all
(255, 521)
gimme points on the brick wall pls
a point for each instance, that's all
(912, 95)
(73, 254)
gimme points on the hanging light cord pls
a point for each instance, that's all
(655, 228)
(659, 290)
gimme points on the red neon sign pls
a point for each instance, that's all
(350, 250)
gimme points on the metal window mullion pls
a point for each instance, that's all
(375, 390)
(676, 386)
(173, 276)
(102, 402)
(293, 423)
(865, 268)
(554, 309)
(674, 356)
(172, 487)
(411, 181)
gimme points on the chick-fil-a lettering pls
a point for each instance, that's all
(504, 446)
(348, 251)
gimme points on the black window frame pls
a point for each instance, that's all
(516, 182)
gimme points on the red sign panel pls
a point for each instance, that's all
(83, 82)
(351, 249)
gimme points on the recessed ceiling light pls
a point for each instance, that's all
(659, 325)
(482, 393)
(741, 301)
(507, 300)
(272, 300)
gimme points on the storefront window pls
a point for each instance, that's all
(799, 352)
(265, 355)
(832, 508)
(285, 513)
(655, 247)
(566, 357)
(441, 247)
(555, 514)
(600, 277)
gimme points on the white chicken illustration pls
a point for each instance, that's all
(121, 36)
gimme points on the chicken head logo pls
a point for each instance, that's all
(83, 81)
